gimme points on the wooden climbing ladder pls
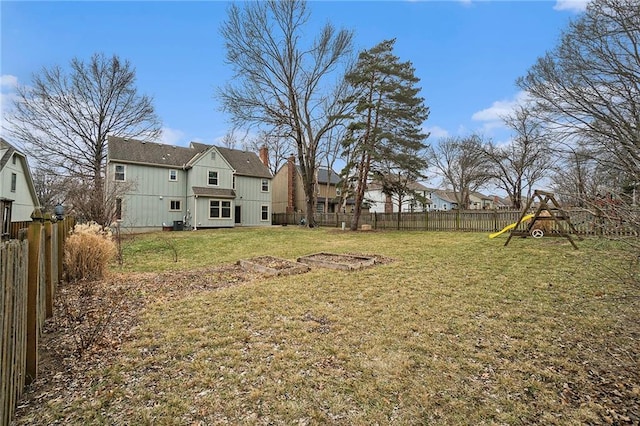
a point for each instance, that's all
(546, 202)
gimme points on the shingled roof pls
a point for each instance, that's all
(135, 151)
(10, 149)
(244, 163)
(324, 175)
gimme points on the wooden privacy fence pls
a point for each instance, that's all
(30, 270)
(585, 222)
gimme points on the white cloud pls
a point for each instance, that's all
(571, 5)
(436, 132)
(492, 117)
(172, 136)
(8, 81)
(8, 85)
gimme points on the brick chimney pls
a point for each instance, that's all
(291, 184)
(264, 155)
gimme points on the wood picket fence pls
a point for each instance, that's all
(30, 270)
(584, 221)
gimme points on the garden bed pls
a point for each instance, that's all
(269, 265)
(344, 262)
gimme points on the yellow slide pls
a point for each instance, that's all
(510, 227)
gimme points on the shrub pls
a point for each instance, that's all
(88, 250)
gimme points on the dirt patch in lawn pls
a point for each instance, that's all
(345, 262)
(269, 265)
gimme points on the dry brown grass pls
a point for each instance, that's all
(456, 330)
(88, 251)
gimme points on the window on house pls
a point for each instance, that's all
(119, 172)
(212, 178)
(265, 185)
(173, 175)
(118, 208)
(233, 183)
(13, 159)
(14, 181)
(175, 205)
(265, 213)
(219, 209)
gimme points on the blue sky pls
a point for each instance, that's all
(467, 54)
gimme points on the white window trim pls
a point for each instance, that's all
(176, 175)
(124, 172)
(179, 205)
(268, 212)
(217, 178)
(220, 210)
(262, 185)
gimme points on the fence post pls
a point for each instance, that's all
(48, 261)
(34, 235)
(62, 235)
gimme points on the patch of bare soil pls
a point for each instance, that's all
(379, 259)
(270, 265)
(272, 262)
(93, 319)
(343, 261)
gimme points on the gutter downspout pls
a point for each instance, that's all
(195, 212)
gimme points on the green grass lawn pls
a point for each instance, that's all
(456, 330)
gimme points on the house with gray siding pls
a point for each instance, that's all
(155, 185)
(18, 196)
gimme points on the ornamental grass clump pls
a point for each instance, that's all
(88, 251)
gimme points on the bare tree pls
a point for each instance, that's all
(462, 164)
(50, 189)
(64, 117)
(525, 161)
(331, 147)
(278, 146)
(281, 83)
(589, 85)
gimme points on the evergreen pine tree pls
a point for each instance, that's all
(385, 135)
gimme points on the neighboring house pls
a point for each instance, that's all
(478, 201)
(500, 203)
(442, 200)
(201, 186)
(289, 196)
(379, 202)
(18, 196)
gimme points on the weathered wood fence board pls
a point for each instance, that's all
(30, 270)
(14, 256)
(469, 220)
